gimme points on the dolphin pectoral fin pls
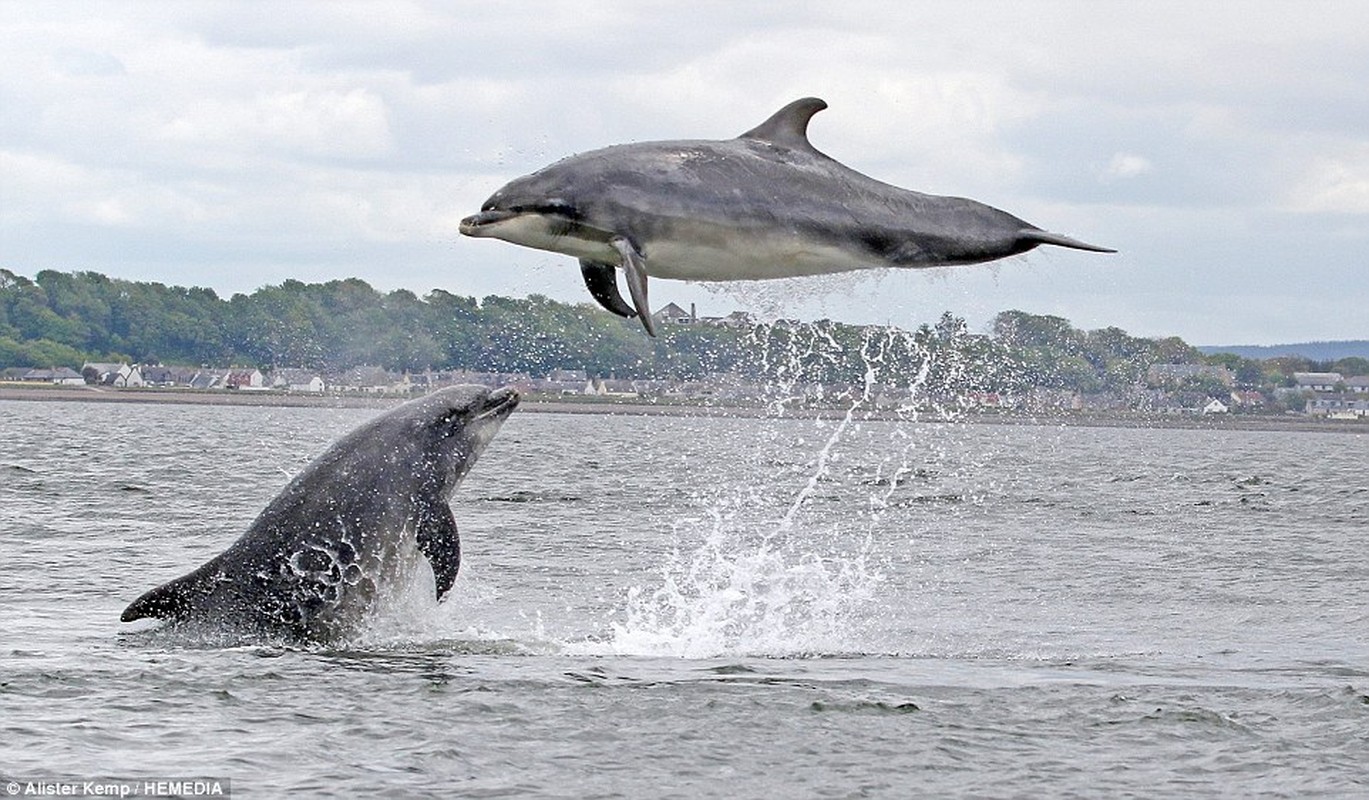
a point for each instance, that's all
(602, 281)
(1046, 237)
(439, 542)
(175, 599)
(636, 280)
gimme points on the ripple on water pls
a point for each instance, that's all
(974, 610)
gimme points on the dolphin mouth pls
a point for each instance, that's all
(473, 225)
(500, 403)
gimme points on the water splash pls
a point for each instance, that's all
(766, 564)
(728, 597)
(791, 583)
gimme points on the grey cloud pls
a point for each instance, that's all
(231, 147)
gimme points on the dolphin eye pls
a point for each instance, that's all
(553, 206)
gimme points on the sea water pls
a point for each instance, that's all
(694, 607)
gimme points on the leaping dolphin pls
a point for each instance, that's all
(347, 532)
(766, 204)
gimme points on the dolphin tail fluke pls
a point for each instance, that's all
(173, 600)
(1038, 236)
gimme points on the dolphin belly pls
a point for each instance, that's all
(752, 256)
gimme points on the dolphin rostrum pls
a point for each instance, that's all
(766, 204)
(346, 534)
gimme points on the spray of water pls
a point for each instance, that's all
(777, 579)
(769, 565)
(729, 598)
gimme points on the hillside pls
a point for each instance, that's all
(1316, 351)
(62, 319)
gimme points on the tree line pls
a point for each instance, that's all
(69, 318)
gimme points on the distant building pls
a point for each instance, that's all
(1168, 374)
(517, 380)
(561, 381)
(61, 376)
(987, 400)
(1318, 381)
(121, 375)
(568, 376)
(652, 387)
(672, 313)
(612, 387)
(1338, 406)
(298, 380)
(100, 370)
(244, 379)
(737, 319)
(1215, 406)
(371, 379)
(159, 376)
(205, 379)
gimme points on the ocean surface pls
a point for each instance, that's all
(677, 607)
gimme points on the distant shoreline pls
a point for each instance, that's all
(104, 394)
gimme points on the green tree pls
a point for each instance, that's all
(65, 317)
(1352, 366)
(1249, 373)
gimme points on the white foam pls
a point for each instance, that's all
(729, 597)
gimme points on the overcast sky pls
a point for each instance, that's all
(1223, 148)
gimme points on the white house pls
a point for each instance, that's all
(612, 387)
(674, 314)
(61, 376)
(298, 380)
(101, 370)
(116, 374)
(244, 379)
(131, 376)
(1338, 406)
(1215, 406)
(370, 379)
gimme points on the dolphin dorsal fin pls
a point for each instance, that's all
(788, 127)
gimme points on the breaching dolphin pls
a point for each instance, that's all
(348, 529)
(766, 204)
